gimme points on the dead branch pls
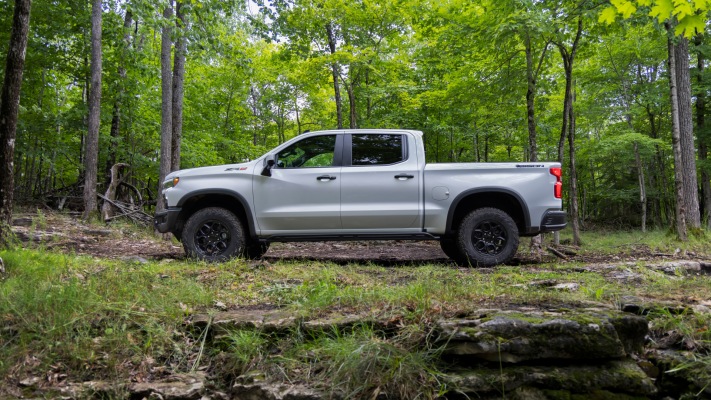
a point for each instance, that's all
(134, 190)
(569, 251)
(556, 253)
(131, 211)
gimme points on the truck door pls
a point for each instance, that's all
(303, 192)
(380, 188)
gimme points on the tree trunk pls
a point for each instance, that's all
(702, 131)
(530, 104)
(352, 107)
(642, 188)
(566, 109)
(335, 73)
(91, 151)
(568, 127)
(9, 109)
(178, 79)
(686, 134)
(676, 144)
(705, 184)
(255, 112)
(531, 78)
(116, 117)
(661, 204)
(166, 130)
(574, 209)
(368, 100)
(298, 117)
(226, 129)
(628, 99)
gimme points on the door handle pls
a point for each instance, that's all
(402, 177)
(324, 178)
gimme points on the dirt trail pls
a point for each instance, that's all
(67, 233)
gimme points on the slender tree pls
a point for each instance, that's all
(532, 74)
(91, 150)
(702, 130)
(121, 89)
(9, 109)
(681, 230)
(178, 79)
(568, 127)
(335, 72)
(686, 134)
(166, 129)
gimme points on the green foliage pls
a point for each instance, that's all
(260, 74)
(690, 14)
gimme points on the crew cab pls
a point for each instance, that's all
(361, 185)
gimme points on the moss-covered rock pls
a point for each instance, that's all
(619, 377)
(513, 338)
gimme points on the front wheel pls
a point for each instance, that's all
(213, 234)
(487, 236)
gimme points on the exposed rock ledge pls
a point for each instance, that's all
(524, 354)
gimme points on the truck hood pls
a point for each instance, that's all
(211, 171)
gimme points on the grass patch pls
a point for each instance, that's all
(92, 317)
(359, 363)
(623, 242)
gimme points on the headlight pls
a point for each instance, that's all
(171, 183)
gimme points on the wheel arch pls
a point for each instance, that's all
(503, 199)
(227, 199)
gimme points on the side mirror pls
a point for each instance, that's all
(268, 165)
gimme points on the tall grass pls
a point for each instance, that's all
(70, 313)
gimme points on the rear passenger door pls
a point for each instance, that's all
(380, 187)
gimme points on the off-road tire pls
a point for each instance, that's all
(213, 234)
(487, 237)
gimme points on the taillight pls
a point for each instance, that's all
(558, 188)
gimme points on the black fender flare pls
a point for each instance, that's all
(249, 217)
(461, 196)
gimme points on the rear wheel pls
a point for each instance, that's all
(213, 234)
(487, 236)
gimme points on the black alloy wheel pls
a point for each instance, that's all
(489, 237)
(212, 238)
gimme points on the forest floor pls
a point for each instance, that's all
(114, 303)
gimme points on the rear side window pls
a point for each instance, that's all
(369, 149)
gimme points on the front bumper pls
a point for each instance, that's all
(165, 221)
(553, 221)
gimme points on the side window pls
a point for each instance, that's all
(372, 149)
(312, 152)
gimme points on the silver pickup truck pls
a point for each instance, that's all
(361, 185)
